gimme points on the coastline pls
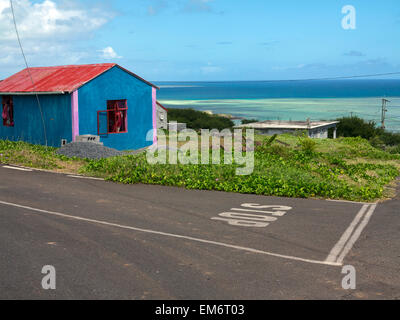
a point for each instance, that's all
(287, 109)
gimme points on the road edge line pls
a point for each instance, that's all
(17, 168)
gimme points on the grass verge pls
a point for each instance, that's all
(37, 156)
(346, 168)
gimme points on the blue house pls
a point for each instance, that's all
(55, 105)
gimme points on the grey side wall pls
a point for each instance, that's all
(162, 118)
(315, 134)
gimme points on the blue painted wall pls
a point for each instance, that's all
(28, 123)
(116, 84)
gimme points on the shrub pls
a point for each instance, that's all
(268, 147)
(300, 133)
(247, 121)
(280, 150)
(393, 149)
(357, 127)
(390, 138)
(377, 142)
(307, 145)
(199, 120)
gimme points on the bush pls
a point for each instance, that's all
(300, 133)
(280, 151)
(393, 149)
(357, 127)
(307, 145)
(390, 138)
(268, 146)
(199, 120)
(377, 142)
(378, 137)
(247, 121)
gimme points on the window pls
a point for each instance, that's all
(114, 119)
(8, 111)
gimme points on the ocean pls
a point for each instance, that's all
(288, 100)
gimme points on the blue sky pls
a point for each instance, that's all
(207, 40)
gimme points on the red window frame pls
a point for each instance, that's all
(117, 117)
(7, 113)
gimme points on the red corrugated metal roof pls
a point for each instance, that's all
(56, 79)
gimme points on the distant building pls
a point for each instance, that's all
(103, 100)
(315, 129)
(162, 116)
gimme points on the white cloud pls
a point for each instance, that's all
(47, 29)
(45, 19)
(109, 53)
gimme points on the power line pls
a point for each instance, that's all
(27, 69)
(347, 77)
(298, 80)
(326, 78)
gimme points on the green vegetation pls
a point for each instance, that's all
(285, 165)
(379, 138)
(357, 127)
(347, 168)
(36, 156)
(199, 120)
(247, 121)
(307, 145)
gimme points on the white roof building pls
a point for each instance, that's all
(315, 129)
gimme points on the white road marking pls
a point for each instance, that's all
(275, 213)
(356, 234)
(273, 207)
(248, 216)
(83, 177)
(242, 223)
(250, 220)
(347, 201)
(49, 171)
(351, 235)
(332, 257)
(17, 168)
(171, 235)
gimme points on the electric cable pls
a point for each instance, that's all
(29, 73)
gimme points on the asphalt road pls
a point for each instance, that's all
(111, 241)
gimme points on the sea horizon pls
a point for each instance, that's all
(288, 100)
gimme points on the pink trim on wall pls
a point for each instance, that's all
(75, 114)
(154, 95)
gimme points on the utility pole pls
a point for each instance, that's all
(384, 110)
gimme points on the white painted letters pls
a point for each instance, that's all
(253, 215)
